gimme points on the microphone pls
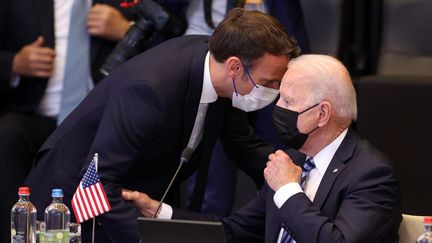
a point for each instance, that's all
(185, 157)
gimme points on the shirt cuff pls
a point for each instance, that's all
(14, 81)
(285, 192)
(166, 212)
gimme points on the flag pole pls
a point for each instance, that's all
(95, 158)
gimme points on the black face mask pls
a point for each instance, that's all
(285, 122)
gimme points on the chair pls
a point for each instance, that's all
(338, 28)
(394, 105)
(406, 38)
(410, 228)
(394, 115)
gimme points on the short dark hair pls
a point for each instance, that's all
(249, 35)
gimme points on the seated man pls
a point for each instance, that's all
(347, 191)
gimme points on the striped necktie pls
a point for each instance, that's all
(307, 167)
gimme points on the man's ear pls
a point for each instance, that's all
(233, 66)
(325, 110)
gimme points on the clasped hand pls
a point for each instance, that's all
(280, 170)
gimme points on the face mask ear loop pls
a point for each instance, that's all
(313, 130)
(250, 77)
(235, 89)
(309, 108)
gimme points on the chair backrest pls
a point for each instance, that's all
(394, 115)
(411, 227)
(406, 38)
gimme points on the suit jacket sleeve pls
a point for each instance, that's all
(245, 225)
(243, 147)
(366, 211)
(248, 223)
(132, 119)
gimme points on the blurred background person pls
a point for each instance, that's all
(47, 49)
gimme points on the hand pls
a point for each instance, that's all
(34, 60)
(281, 170)
(107, 22)
(146, 205)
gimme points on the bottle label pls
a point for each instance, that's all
(18, 237)
(57, 236)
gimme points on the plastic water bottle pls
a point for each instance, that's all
(23, 218)
(426, 237)
(57, 219)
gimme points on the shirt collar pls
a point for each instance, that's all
(322, 158)
(208, 94)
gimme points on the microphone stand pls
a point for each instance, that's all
(185, 156)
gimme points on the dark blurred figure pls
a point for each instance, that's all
(34, 58)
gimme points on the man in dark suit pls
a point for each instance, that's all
(32, 51)
(141, 117)
(218, 195)
(346, 190)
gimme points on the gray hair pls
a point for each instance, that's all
(328, 80)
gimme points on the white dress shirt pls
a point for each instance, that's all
(196, 19)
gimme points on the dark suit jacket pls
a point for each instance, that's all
(21, 22)
(357, 201)
(139, 119)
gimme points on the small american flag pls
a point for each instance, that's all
(90, 199)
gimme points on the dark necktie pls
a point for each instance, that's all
(307, 167)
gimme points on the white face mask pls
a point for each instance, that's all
(258, 98)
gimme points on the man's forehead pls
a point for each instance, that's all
(293, 88)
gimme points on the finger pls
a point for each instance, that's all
(126, 194)
(43, 74)
(271, 156)
(95, 25)
(38, 42)
(94, 16)
(125, 190)
(97, 8)
(48, 67)
(268, 163)
(130, 195)
(266, 173)
(46, 51)
(94, 31)
(42, 58)
(279, 152)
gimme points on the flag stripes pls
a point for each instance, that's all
(90, 199)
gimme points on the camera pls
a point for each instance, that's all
(152, 18)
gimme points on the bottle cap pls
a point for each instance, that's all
(24, 190)
(427, 220)
(57, 193)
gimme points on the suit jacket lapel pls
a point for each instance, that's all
(45, 14)
(336, 166)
